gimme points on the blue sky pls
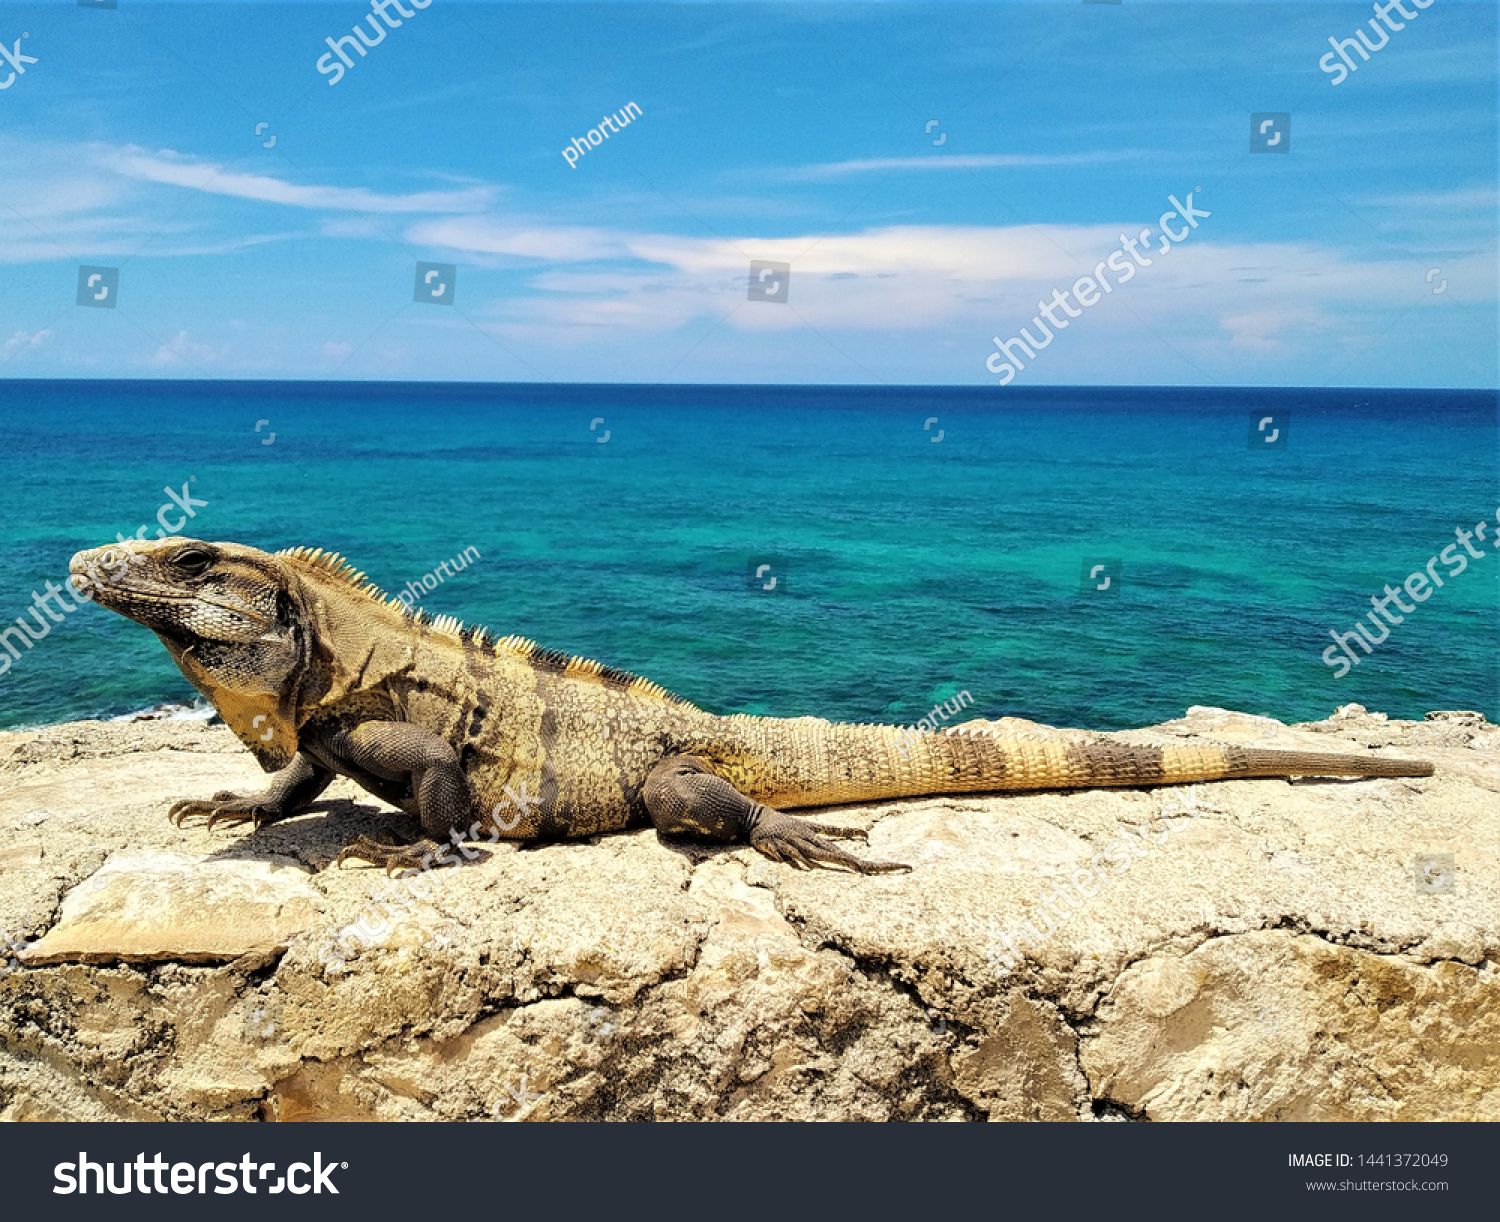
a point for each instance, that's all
(794, 133)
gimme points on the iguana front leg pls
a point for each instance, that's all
(424, 767)
(685, 798)
(291, 791)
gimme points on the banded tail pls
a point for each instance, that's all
(810, 762)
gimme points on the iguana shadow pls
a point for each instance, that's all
(317, 842)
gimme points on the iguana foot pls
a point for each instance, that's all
(801, 845)
(421, 854)
(230, 807)
(292, 790)
(685, 797)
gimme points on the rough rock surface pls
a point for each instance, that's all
(1239, 950)
(153, 906)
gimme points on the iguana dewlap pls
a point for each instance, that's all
(321, 675)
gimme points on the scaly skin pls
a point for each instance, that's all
(320, 675)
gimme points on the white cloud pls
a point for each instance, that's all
(972, 161)
(182, 349)
(496, 236)
(85, 201)
(1266, 331)
(169, 168)
(1211, 302)
(914, 277)
(352, 227)
(1464, 199)
(22, 340)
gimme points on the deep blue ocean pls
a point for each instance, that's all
(913, 557)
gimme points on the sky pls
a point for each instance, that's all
(930, 174)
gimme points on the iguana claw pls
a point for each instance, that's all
(801, 845)
(421, 855)
(230, 807)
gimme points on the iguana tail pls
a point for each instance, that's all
(810, 762)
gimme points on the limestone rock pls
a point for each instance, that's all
(150, 905)
(1275, 1025)
(1324, 949)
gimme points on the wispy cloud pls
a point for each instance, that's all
(504, 236)
(636, 262)
(971, 280)
(972, 161)
(1464, 199)
(216, 179)
(182, 349)
(22, 340)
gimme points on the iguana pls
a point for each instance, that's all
(321, 675)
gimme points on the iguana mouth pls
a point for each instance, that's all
(116, 593)
(154, 595)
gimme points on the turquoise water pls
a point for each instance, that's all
(907, 568)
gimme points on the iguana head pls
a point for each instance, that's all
(231, 617)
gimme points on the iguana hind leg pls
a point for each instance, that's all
(291, 791)
(685, 798)
(425, 767)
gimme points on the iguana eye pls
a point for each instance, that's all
(193, 563)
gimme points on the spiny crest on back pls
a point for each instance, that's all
(550, 661)
(476, 636)
(557, 662)
(331, 564)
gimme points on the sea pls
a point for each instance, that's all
(1081, 556)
